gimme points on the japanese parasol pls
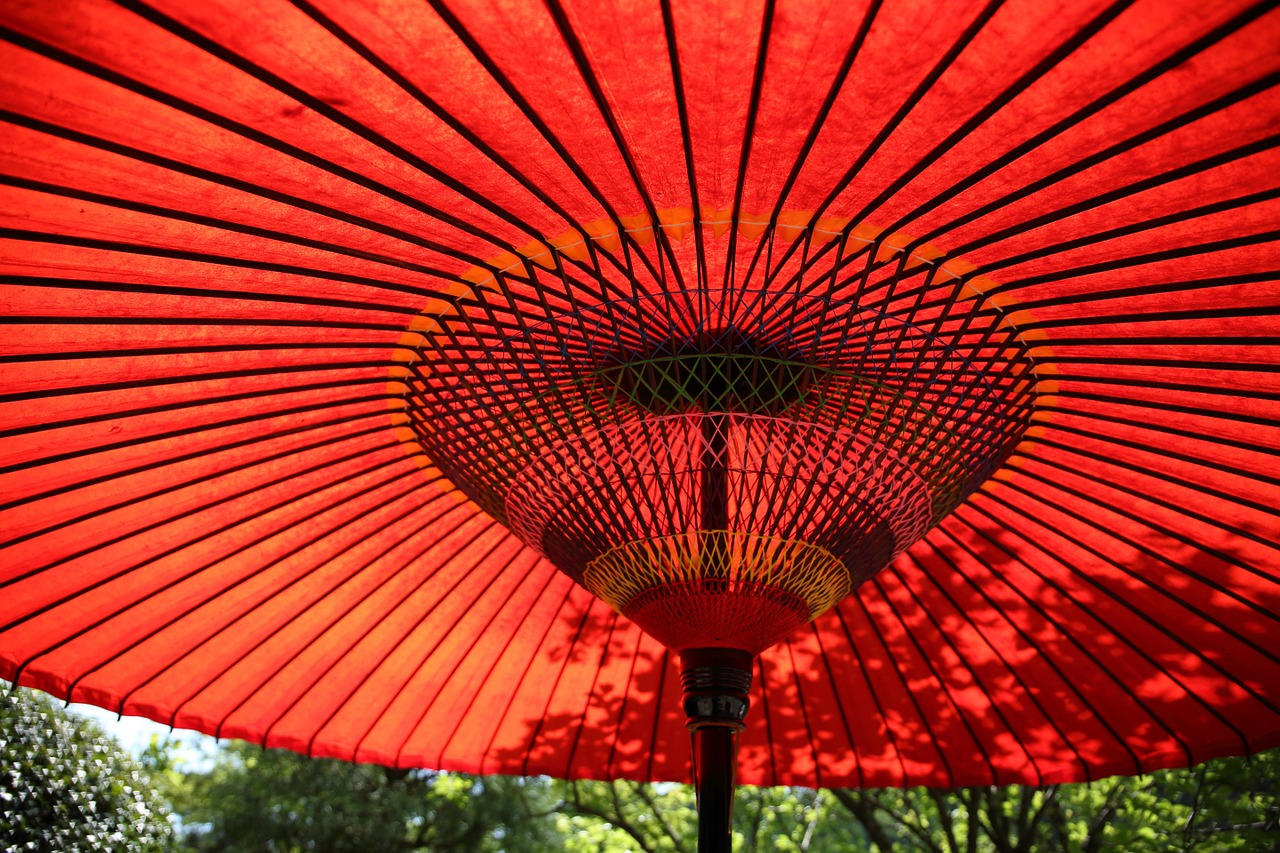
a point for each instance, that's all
(459, 384)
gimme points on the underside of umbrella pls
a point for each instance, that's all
(420, 384)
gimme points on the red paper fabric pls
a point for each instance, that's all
(219, 219)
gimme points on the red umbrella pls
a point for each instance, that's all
(719, 309)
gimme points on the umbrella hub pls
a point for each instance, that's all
(720, 466)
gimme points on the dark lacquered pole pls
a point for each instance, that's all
(716, 683)
(715, 751)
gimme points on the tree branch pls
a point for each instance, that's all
(617, 819)
(864, 813)
(813, 824)
(1027, 835)
(643, 791)
(944, 817)
(1196, 803)
(997, 824)
(1093, 841)
(910, 826)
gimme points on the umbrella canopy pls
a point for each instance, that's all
(235, 233)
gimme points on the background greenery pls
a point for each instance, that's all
(65, 785)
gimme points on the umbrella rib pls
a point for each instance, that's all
(521, 103)
(1096, 659)
(320, 107)
(137, 355)
(1124, 146)
(213, 222)
(1171, 176)
(174, 549)
(466, 716)
(1172, 347)
(555, 685)
(499, 719)
(1142, 653)
(387, 70)
(583, 65)
(622, 709)
(444, 531)
(1128, 401)
(80, 632)
(265, 139)
(843, 715)
(975, 677)
(1167, 454)
(153, 466)
(1136, 319)
(802, 707)
(349, 384)
(992, 646)
(892, 666)
(337, 659)
(1163, 289)
(945, 690)
(196, 429)
(1156, 588)
(1050, 61)
(390, 650)
(963, 40)
(248, 187)
(663, 666)
(759, 678)
(686, 142)
(881, 715)
(589, 694)
(1029, 639)
(1213, 246)
(508, 643)
(392, 524)
(207, 476)
(1220, 440)
(1142, 496)
(129, 534)
(203, 257)
(1193, 213)
(1076, 118)
(828, 103)
(181, 379)
(141, 322)
(1154, 384)
(744, 154)
(444, 633)
(219, 293)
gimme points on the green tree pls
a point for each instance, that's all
(254, 799)
(1230, 804)
(65, 785)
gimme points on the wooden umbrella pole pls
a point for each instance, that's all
(716, 683)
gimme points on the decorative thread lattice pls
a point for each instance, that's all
(622, 574)
(685, 588)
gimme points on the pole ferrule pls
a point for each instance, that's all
(716, 683)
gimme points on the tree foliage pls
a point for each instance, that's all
(67, 786)
(254, 799)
